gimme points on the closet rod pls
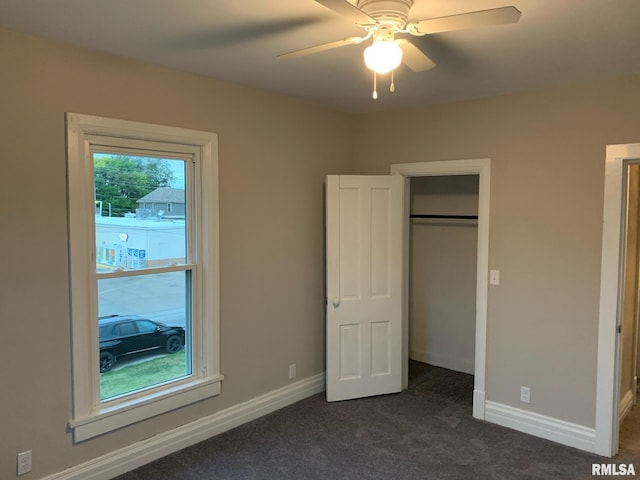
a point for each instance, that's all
(456, 217)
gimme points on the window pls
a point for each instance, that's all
(144, 286)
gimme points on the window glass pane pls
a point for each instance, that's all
(140, 211)
(145, 326)
(144, 331)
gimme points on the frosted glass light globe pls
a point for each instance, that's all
(383, 56)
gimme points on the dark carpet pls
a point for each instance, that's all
(425, 432)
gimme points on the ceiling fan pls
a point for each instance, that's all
(384, 19)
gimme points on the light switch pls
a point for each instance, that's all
(494, 277)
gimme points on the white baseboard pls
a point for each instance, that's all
(445, 361)
(566, 433)
(133, 456)
(625, 404)
(128, 458)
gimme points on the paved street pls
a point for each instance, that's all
(159, 297)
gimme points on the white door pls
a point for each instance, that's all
(365, 232)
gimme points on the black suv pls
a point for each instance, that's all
(125, 334)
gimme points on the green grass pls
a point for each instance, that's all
(142, 375)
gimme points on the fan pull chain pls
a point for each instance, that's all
(375, 86)
(392, 88)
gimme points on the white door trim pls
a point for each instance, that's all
(481, 167)
(608, 368)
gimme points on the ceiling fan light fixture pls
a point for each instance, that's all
(383, 56)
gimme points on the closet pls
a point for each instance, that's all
(443, 262)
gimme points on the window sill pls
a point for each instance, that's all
(113, 417)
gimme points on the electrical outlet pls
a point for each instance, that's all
(525, 394)
(292, 371)
(24, 462)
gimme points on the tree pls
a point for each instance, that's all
(121, 180)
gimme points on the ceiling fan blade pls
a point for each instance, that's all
(481, 18)
(413, 57)
(322, 47)
(247, 32)
(348, 10)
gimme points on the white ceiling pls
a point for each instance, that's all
(555, 42)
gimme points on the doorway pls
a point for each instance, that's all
(481, 168)
(442, 268)
(629, 420)
(619, 158)
(629, 293)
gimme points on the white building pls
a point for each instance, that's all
(135, 243)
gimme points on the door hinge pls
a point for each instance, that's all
(619, 328)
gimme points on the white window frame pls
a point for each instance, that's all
(86, 133)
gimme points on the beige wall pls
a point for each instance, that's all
(274, 153)
(547, 149)
(443, 263)
(547, 172)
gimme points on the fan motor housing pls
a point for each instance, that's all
(390, 12)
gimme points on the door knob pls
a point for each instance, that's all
(335, 302)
